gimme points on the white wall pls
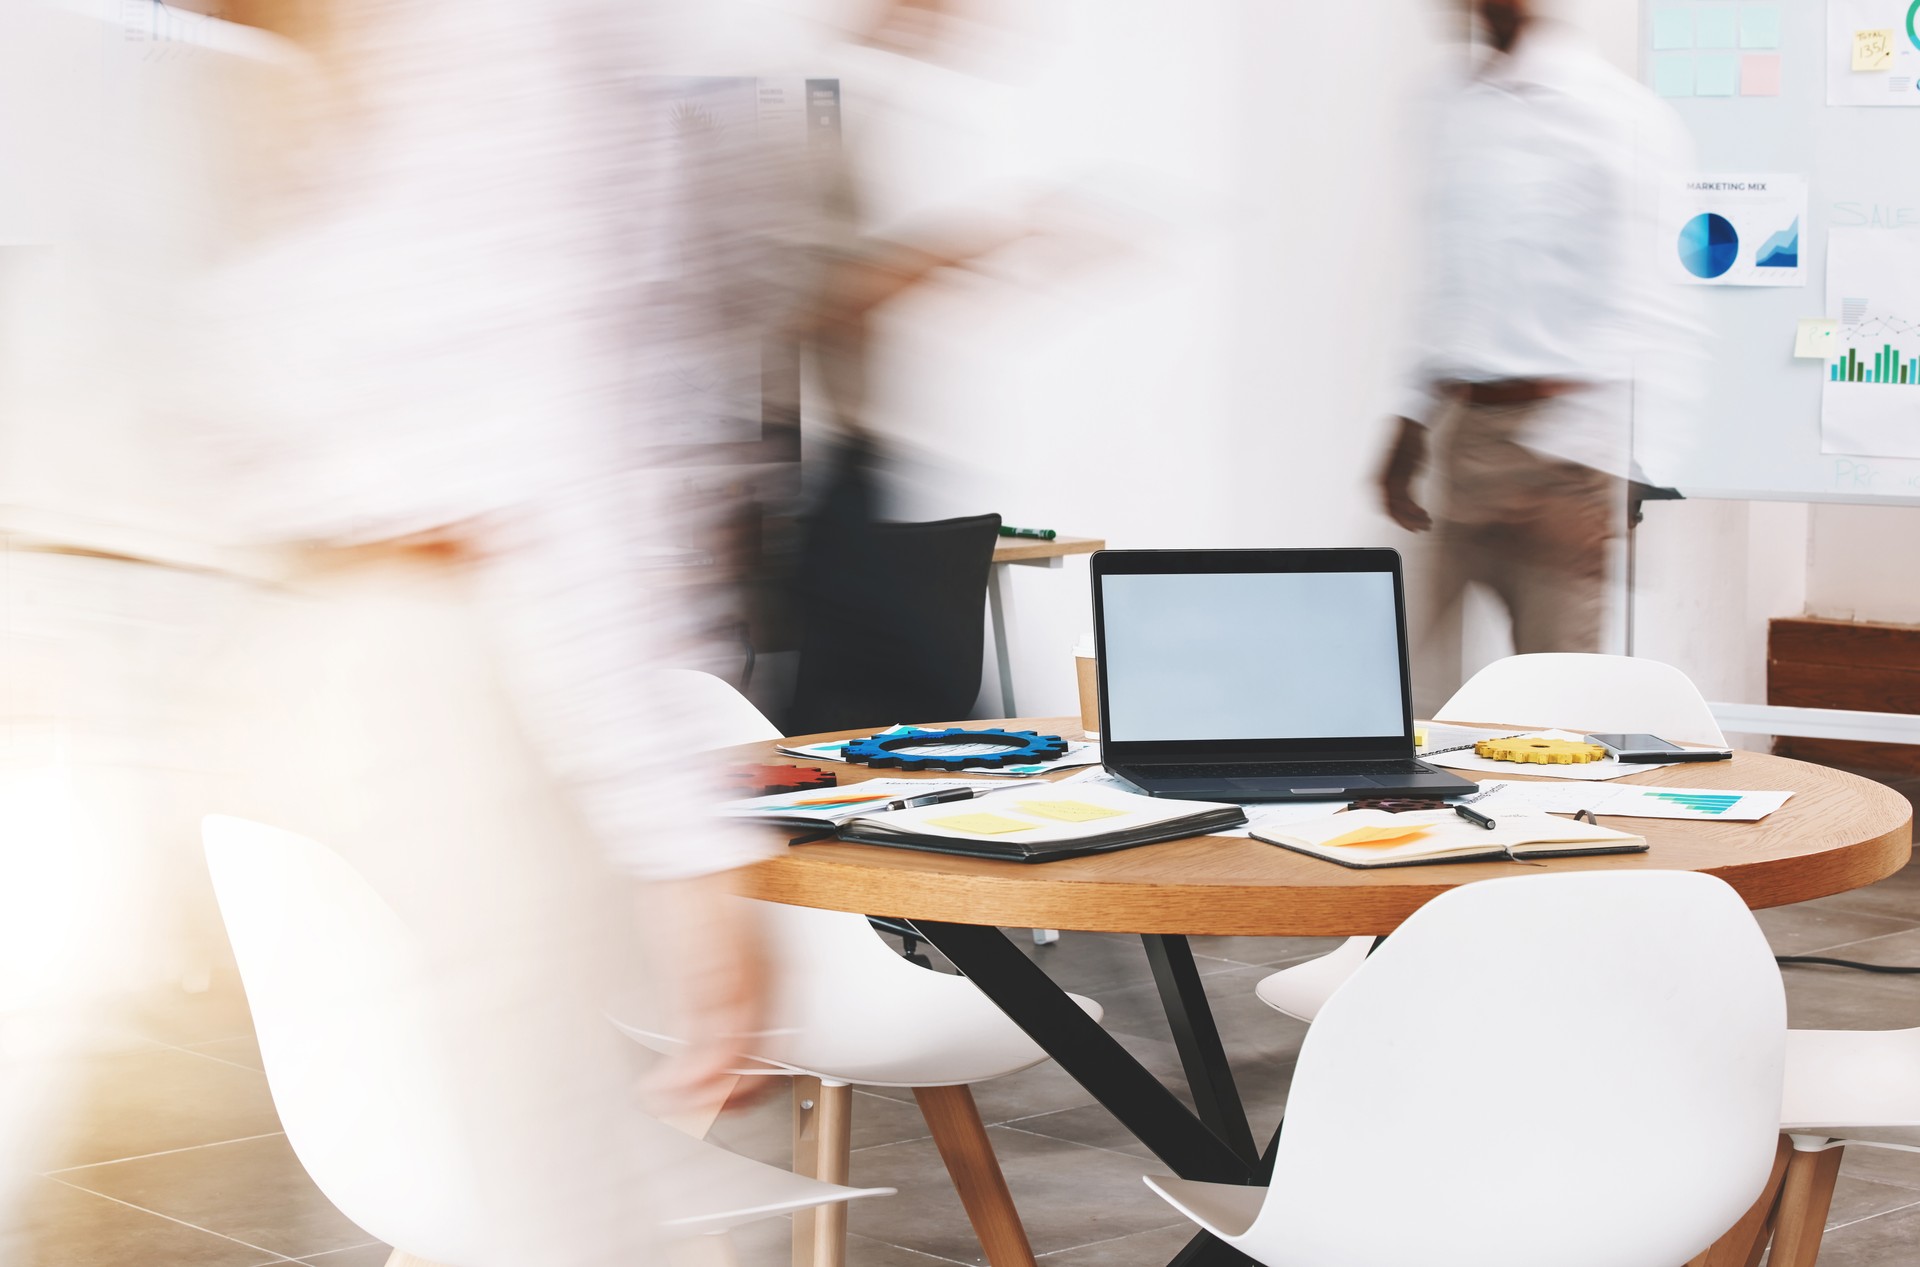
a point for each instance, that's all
(1864, 563)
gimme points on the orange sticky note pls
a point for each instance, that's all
(1376, 837)
(981, 824)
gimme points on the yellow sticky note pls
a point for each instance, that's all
(1375, 836)
(981, 824)
(1818, 337)
(1419, 736)
(1071, 811)
(1873, 50)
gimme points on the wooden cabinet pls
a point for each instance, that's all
(1846, 664)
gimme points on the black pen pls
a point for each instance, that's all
(1475, 817)
(932, 798)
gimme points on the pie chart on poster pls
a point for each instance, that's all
(1708, 245)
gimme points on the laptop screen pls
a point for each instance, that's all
(1251, 655)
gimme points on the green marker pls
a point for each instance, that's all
(1040, 534)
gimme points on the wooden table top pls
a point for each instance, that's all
(1025, 549)
(1837, 832)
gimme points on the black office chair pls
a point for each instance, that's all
(892, 618)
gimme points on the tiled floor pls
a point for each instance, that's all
(174, 1157)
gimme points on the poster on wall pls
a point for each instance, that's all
(1873, 52)
(1870, 397)
(1734, 230)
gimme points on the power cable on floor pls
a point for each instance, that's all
(1887, 968)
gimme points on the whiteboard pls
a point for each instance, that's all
(1758, 426)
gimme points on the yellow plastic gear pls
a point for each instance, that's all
(1540, 751)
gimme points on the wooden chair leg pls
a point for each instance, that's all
(962, 1139)
(806, 1160)
(1746, 1240)
(1805, 1199)
(834, 1158)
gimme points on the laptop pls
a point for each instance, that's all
(1258, 675)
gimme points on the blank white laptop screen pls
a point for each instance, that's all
(1266, 655)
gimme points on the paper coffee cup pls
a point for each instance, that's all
(1086, 669)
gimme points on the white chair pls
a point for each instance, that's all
(1577, 691)
(360, 1072)
(1563, 689)
(846, 1009)
(1580, 1069)
(1843, 1087)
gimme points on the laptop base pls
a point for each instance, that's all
(1283, 787)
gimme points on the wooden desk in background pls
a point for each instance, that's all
(1838, 832)
(1026, 552)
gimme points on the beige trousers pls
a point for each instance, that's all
(1535, 531)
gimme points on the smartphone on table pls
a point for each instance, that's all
(1643, 749)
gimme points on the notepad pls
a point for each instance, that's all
(1374, 838)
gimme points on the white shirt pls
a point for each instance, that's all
(1546, 168)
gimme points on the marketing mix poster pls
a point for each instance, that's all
(1737, 230)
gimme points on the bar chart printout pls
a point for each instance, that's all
(1870, 401)
(1708, 803)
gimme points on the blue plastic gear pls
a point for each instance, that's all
(1022, 747)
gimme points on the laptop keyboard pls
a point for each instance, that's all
(1282, 770)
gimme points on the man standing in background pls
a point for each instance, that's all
(1540, 328)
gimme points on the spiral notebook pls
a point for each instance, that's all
(1371, 838)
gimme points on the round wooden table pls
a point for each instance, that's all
(1837, 832)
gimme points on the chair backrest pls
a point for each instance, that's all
(1581, 1069)
(1578, 691)
(340, 1007)
(892, 626)
(716, 715)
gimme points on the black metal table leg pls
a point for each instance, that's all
(1201, 1053)
(1094, 1059)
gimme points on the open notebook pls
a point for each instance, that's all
(1374, 838)
(1041, 823)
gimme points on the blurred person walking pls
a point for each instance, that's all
(1544, 342)
(408, 364)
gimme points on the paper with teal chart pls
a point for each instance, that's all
(1893, 82)
(1870, 396)
(1734, 230)
(1695, 803)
